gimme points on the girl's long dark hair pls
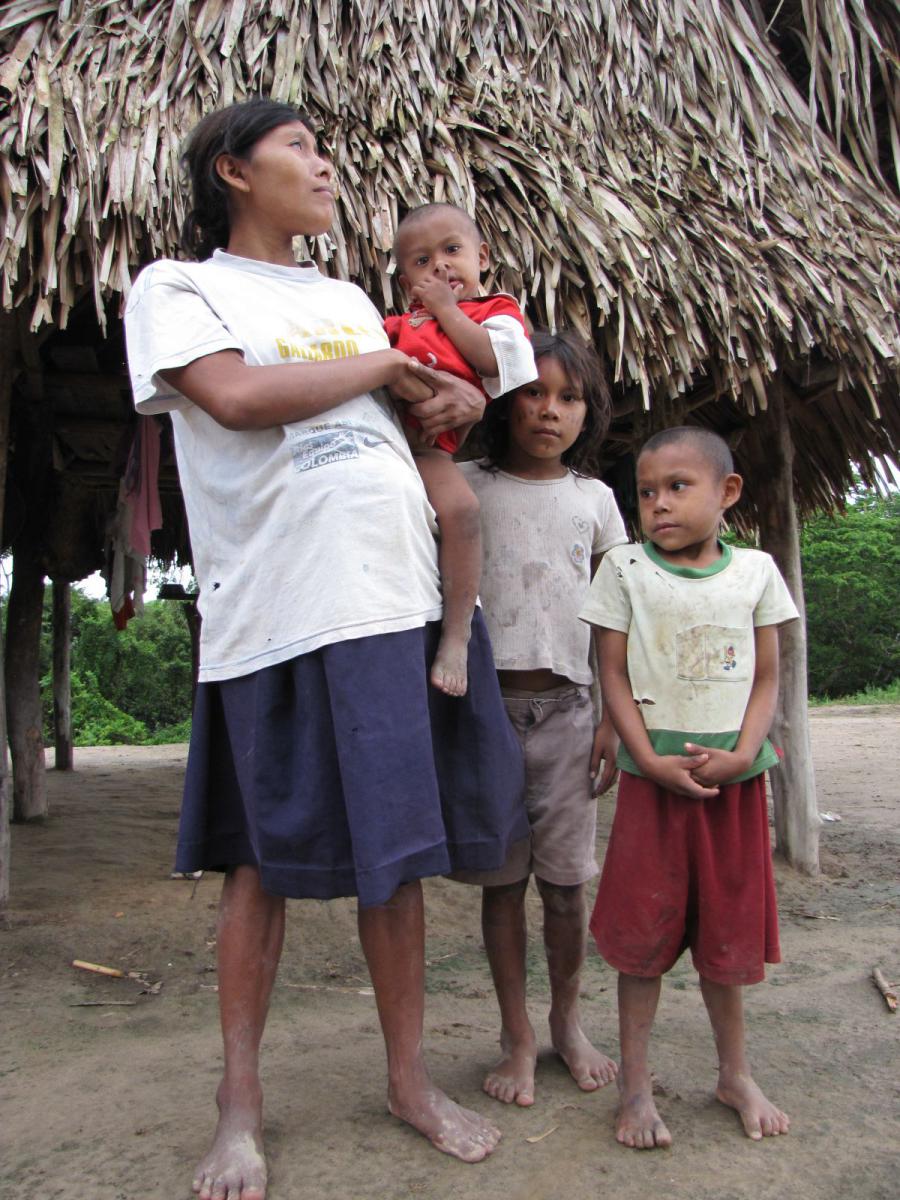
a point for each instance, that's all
(232, 130)
(580, 362)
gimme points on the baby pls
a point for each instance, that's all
(441, 255)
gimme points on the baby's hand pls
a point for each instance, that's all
(436, 295)
(675, 772)
(720, 765)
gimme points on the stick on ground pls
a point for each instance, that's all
(886, 989)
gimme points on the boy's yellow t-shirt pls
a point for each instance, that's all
(691, 650)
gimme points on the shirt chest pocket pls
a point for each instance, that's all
(713, 652)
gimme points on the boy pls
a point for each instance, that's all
(688, 648)
(441, 256)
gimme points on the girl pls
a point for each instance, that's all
(546, 523)
(321, 763)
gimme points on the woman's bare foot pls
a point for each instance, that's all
(235, 1165)
(447, 1125)
(512, 1080)
(638, 1124)
(450, 669)
(588, 1067)
(759, 1116)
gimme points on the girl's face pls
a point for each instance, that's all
(545, 419)
(284, 186)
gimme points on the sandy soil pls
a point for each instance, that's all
(114, 1101)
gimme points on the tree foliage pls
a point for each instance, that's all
(132, 686)
(851, 569)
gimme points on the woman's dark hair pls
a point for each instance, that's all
(232, 130)
(580, 362)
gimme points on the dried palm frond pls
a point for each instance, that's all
(845, 55)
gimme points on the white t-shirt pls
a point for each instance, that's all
(538, 537)
(691, 649)
(302, 535)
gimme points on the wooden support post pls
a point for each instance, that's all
(62, 684)
(797, 819)
(31, 468)
(24, 718)
(194, 621)
(8, 343)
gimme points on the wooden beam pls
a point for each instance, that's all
(8, 344)
(194, 620)
(62, 684)
(797, 819)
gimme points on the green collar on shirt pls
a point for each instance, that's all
(690, 572)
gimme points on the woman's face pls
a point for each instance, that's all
(284, 186)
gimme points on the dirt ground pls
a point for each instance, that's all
(113, 1101)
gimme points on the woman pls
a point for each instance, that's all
(321, 763)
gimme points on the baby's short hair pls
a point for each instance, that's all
(423, 211)
(711, 445)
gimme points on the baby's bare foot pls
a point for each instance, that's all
(512, 1080)
(638, 1124)
(588, 1067)
(450, 669)
(447, 1125)
(235, 1166)
(759, 1115)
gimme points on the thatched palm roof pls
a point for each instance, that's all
(650, 172)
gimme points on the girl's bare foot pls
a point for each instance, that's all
(235, 1165)
(450, 669)
(512, 1080)
(638, 1124)
(447, 1125)
(588, 1067)
(759, 1116)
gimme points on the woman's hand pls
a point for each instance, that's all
(454, 403)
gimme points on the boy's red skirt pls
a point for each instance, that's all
(688, 873)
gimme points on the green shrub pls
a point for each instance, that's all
(95, 721)
(851, 565)
(132, 686)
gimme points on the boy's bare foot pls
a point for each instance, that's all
(638, 1124)
(511, 1081)
(450, 669)
(446, 1124)
(235, 1165)
(759, 1116)
(588, 1067)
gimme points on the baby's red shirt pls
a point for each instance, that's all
(419, 335)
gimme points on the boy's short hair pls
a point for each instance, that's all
(415, 215)
(711, 445)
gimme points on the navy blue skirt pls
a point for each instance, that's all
(342, 772)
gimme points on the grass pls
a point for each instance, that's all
(889, 694)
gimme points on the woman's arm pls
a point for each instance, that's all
(240, 397)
